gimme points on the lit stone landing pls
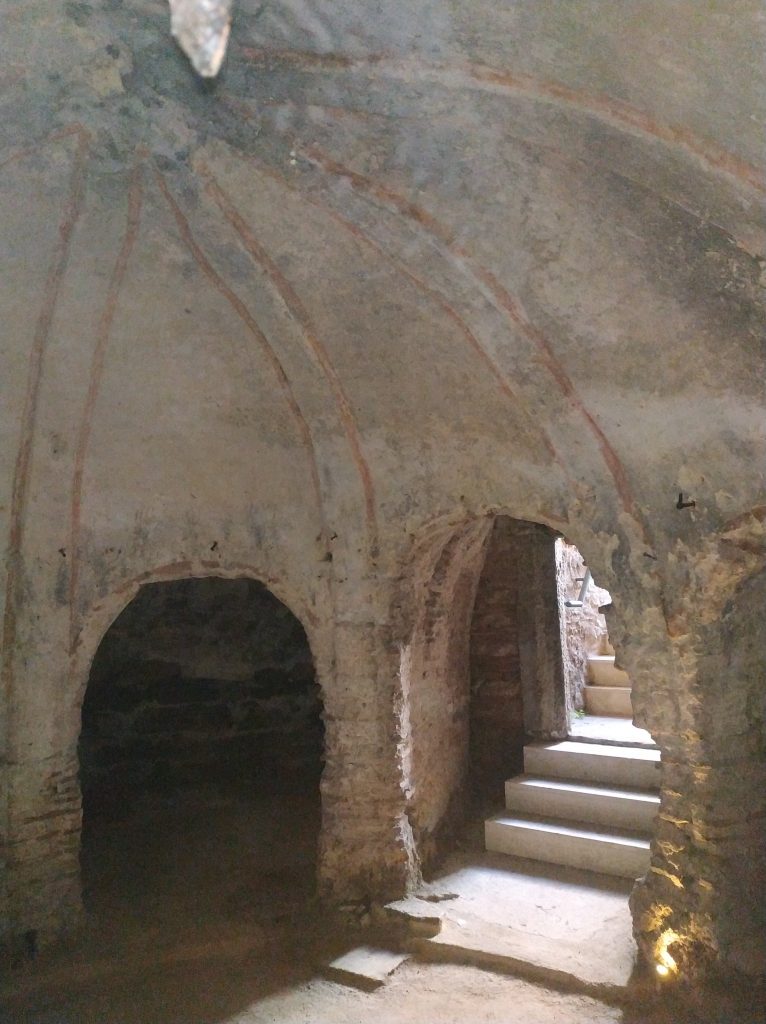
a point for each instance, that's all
(602, 671)
(537, 921)
(616, 732)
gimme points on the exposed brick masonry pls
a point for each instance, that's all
(497, 709)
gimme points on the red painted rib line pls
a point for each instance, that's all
(358, 181)
(473, 342)
(255, 331)
(709, 152)
(62, 133)
(505, 302)
(51, 289)
(103, 334)
(433, 293)
(514, 310)
(473, 76)
(299, 312)
(556, 156)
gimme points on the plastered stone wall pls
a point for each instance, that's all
(436, 690)
(711, 827)
(201, 680)
(485, 612)
(399, 270)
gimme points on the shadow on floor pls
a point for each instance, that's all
(205, 990)
(199, 904)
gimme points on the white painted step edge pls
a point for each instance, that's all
(568, 800)
(598, 749)
(636, 767)
(605, 851)
(574, 829)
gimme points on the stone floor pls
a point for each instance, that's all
(609, 729)
(203, 865)
(253, 990)
(542, 920)
(215, 924)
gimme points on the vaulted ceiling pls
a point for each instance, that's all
(397, 256)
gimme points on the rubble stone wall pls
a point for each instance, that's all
(497, 708)
(584, 629)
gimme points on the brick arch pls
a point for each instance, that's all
(102, 619)
(451, 733)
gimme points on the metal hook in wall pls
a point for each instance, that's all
(684, 504)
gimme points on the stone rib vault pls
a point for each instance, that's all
(400, 269)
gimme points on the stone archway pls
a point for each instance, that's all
(200, 758)
(511, 813)
(465, 722)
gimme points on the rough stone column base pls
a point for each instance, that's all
(702, 903)
(43, 851)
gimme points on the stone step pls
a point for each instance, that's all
(366, 967)
(607, 851)
(618, 806)
(608, 700)
(637, 767)
(602, 671)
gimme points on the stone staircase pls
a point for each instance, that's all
(581, 804)
(607, 691)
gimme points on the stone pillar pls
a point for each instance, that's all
(43, 866)
(702, 901)
(436, 601)
(497, 710)
(366, 846)
(42, 838)
(539, 630)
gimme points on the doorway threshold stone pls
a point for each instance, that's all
(366, 967)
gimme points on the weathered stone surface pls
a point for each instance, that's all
(365, 967)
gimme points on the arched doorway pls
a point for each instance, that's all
(517, 677)
(518, 825)
(200, 758)
(483, 670)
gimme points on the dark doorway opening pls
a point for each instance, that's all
(200, 760)
(516, 668)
